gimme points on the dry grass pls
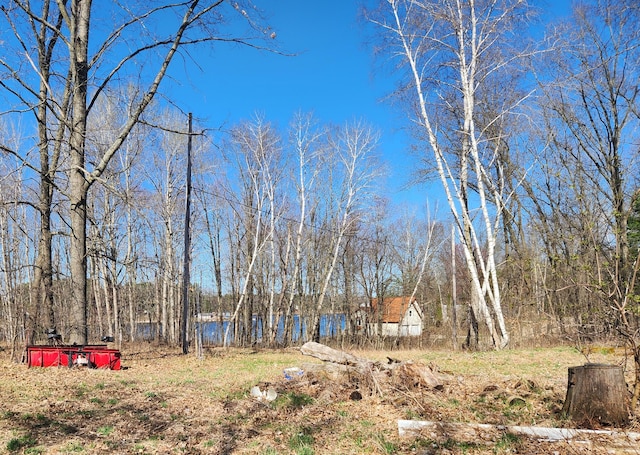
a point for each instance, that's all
(166, 403)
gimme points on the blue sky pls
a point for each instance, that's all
(332, 75)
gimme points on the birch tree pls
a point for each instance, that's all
(454, 52)
(353, 147)
(307, 142)
(253, 150)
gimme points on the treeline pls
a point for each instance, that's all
(535, 142)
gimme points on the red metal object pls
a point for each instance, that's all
(91, 356)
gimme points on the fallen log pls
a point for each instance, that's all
(475, 432)
(323, 352)
(408, 373)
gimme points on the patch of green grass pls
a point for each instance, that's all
(95, 400)
(293, 400)
(9, 415)
(21, 442)
(73, 447)
(388, 447)
(299, 400)
(112, 401)
(302, 442)
(516, 408)
(43, 419)
(236, 395)
(479, 414)
(506, 443)
(80, 390)
(105, 431)
(412, 415)
(150, 394)
(34, 451)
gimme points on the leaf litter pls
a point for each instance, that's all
(164, 402)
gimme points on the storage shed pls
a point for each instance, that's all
(399, 316)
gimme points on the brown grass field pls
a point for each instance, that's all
(163, 402)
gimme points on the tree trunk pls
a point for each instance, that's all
(597, 395)
(78, 330)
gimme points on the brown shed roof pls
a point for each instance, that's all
(393, 308)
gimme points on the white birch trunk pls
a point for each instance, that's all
(470, 38)
(304, 141)
(355, 147)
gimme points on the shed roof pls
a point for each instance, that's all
(393, 308)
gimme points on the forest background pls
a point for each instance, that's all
(528, 128)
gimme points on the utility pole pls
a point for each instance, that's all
(187, 246)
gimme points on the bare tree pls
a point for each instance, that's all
(307, 142)
(454, 51)
(14, 251)
(166, 175)
(253, 151)
(590, 109)
(88, 70)
(377, 259)
(353, 147)
(35, 94)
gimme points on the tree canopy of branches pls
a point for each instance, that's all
(59, 75)
(454, 55)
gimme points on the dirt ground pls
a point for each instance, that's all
(163, 402)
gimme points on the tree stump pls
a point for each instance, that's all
(597, 395)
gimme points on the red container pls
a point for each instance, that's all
(91, 356)
(104, 358)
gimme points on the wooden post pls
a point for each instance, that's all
(597, 395)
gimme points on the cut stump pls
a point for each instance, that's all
(597, 395)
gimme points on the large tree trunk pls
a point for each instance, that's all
(43, 298)
(79, 28)
(42, 290)
(78, 330)
(597, 395)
